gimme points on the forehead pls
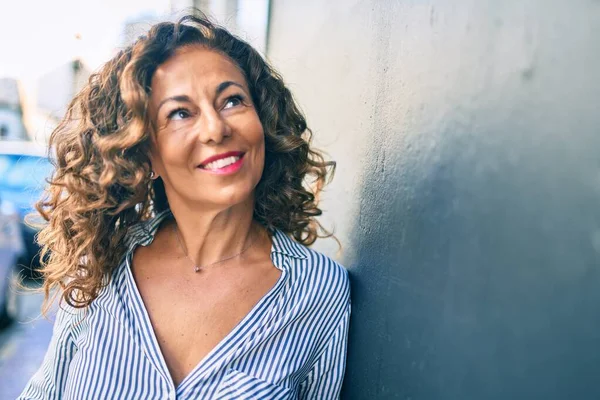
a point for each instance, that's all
(194, 68)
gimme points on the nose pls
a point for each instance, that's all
(213, 127)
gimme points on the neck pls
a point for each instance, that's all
(208, 236)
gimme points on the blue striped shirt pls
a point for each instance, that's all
(291, 345)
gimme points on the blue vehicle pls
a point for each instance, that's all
(11, 249)
(24, 167)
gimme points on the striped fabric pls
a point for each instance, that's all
(292, 344)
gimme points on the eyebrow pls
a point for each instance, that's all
(182, 98)
(225, 85)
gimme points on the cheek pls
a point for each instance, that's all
(258, 154)
(256, 138)
(260, 150)
(174, 151)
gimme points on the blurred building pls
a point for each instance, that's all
(58, 87)
(249, 19)
(53, 93)
(11, 111)
(136, 27)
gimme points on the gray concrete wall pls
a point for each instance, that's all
(468, 191)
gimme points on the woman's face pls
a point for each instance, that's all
(202, 109)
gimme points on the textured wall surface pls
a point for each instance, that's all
(467, 198)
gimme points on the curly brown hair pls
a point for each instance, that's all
(101, 186)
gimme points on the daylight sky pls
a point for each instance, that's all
(36, 36)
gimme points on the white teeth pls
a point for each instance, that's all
(223, 162)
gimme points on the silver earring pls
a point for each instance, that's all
(152, 175)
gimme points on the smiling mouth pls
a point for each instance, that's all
(221, 163)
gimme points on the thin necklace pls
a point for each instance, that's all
(198, 267)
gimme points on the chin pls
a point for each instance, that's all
(229, 197)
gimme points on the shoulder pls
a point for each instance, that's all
(66, 321)
(319, 283)
(313, 268)
(327, 274)
(323, 287)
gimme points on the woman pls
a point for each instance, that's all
(178, 183)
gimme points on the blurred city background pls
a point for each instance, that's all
(50, 49)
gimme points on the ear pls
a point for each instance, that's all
(152, 157)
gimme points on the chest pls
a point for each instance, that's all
(191, 313)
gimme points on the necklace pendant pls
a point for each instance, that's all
(196, 268)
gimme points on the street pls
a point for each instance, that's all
(23, 345)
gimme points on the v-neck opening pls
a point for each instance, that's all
(154, 350)
(201, 366)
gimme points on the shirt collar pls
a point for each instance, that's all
(142, 234)
(283, 244)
